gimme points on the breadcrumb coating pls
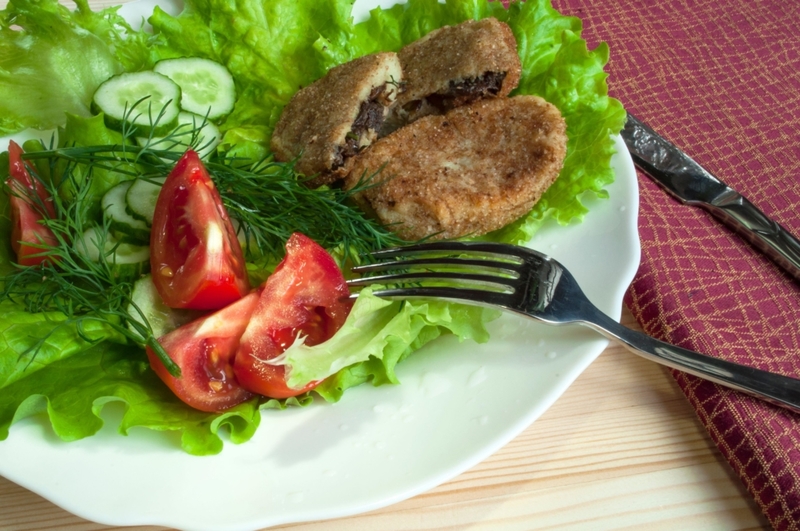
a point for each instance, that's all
(456, 65)
(332, 118)
(466, 173)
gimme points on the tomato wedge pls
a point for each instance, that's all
(304, 296)
(30, 204)
(204, 351)
(196, 259)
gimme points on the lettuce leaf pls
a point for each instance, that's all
(272, 47)
(22, 331)
(376, 336)
(121, 374)
(52, 60)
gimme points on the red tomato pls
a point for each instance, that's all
(27, 213)
(204, 351)
(305, 296)
(196, 260)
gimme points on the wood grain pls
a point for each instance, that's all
(620, 449)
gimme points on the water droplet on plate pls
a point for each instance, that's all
(344, 427)
(434, 384)
(552, 354)
(477, 377)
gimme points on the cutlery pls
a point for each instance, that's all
(529, 283)
(692, 185)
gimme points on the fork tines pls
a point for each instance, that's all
(460, 270)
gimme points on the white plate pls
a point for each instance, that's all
(458, 404)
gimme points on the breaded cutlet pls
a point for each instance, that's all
(330, 120)
(453, 66)
(466, 173)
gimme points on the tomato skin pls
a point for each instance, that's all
(305, 295)
(26, 216)
(204, 351)
(196, 259)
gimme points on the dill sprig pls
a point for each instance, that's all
(69, 281)
(269, 202)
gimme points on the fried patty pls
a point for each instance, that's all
(466, 173)
(335, 117)
(454, 66)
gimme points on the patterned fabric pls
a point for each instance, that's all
(721, 79)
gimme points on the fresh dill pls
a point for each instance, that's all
(271, 203)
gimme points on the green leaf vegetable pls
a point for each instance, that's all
(52, 60)
(271, 47)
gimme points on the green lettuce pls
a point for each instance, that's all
(102, 375)
(376, 336)
(52, 60)
(272, 48)
(22, 332)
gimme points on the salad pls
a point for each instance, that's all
(83, 364)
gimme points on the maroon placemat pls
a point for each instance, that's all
(720, 78)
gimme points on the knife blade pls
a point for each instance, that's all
(691, 184)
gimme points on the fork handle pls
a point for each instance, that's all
(774, 388)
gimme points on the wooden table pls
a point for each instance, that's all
(622, 448)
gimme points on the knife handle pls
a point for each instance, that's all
(768, 236)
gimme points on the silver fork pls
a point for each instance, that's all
(529, 283)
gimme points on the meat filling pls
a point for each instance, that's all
(458, 93)
(370, 118)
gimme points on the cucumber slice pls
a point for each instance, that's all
(161, 317)
(127, 261)
(147, 100)
(125, 226)
(207, 87)
(141, 199)
(192, 131)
